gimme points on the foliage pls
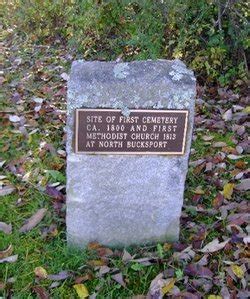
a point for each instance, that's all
(210, 35)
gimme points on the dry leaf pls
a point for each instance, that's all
(60, 276)
(119, 278)
(6, 228)
(93, 245)
(199, 190)
(168, 286)
(126, 257)
(227, 116)
(198, 270)
(14, 118)
(234, 157)
(207, 138)
(237, 270)
(97, 263)
(65, 76)
(9, 259)
(7, 190)
(81, 290)
(228, 190)
(33, 221)
(244, 185)
(218, 201)
(40, 272)
(7, 252)
(219, 144)
(214, 246)
(41, 292)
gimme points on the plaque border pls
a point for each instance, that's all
(75, 135)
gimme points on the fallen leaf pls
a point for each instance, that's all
(81, 290)
(197, 170)
(199, 190)
(196, 162)
(119, 278)
(209, 166)
(54, 193)
(228, 115)
(187, 295)
(40, 272)
(93, 245)
(214, 246)
(103, 270)
(65, 76)
(9, 259)
(239, 149)
(218, 201)
(6, 228)
(219, 144)
(38, 100)
(228, 190)
(198, 270)
(237, 270)
(246, 110)
(244, 185)
(33, 221)
(60, 276)
(104, 251)
(126, 256)
(87, 276)
(168, 286)
(96, 263)
(240, 164)
(7, 190)
(7, 252)
(14, 118)
(186, 254)
(207, 138)
(41, 292)
(234, 157)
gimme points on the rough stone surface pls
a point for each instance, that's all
(119, 200)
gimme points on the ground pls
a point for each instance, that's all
(210, 260)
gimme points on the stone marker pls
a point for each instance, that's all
(129, 132)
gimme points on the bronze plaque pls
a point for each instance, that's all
(108, 131)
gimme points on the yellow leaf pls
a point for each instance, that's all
(247, 109)
(214, 297)
(237, 271)
(228, 190)
(81, 290)
(167, 246)
(41, 272)
(199, 190)
(168, 286)
(97, 263)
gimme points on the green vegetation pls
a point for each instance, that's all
(209, 35)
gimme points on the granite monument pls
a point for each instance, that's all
(129, 131)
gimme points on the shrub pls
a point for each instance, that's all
(209, 35)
